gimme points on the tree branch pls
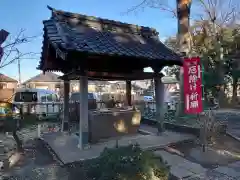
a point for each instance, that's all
(20, 57)
(154, 4)
(12, 52)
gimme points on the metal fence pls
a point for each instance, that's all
(148, 110)
(54, 111)
(39, 110)
(47, 117)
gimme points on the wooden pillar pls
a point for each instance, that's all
(129, 92)
(65, 123)
(83, 121)
(181, 103)
(159, 98)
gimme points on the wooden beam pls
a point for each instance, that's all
(111, 76)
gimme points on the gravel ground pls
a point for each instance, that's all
(36, 163)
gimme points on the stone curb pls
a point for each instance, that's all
(233, 136)
(145, 132)
(51, 151)
(148, 148)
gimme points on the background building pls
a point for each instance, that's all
(7, 87)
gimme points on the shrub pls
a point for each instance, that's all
(211, 127)
(127, 163)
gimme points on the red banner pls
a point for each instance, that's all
(193, 85)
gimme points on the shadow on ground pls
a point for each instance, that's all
(36, 163)
(225, 150)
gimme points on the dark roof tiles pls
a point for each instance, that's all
(96, 22)
(82, 33)
(47, 77)
(4, 78)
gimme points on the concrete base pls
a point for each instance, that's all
(65, 126)
(85, 137)
(66, 146)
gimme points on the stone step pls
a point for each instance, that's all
(179, 166)
(2, 152)
(2, 157)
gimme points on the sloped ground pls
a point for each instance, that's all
(221, 159)
(223, 151)
(233, 120)
(36, 163)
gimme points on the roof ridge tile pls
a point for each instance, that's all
(143, 30)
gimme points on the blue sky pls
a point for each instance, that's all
(29, 14)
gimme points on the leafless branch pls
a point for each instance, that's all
(155, 4)
(220, 12)
(20, 56)
(12, 52)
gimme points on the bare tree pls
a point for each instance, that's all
(219, 12)
(12, 52)
(155, 4)
(182, 12)
(211, 17)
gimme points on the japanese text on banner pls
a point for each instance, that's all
(192, 86)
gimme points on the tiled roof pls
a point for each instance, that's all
(71, 31)
(4, 78)
(47, 77)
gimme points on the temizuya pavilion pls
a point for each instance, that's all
(85, 47)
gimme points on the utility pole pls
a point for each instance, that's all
(19, 73)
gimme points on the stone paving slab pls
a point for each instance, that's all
(180, 172)
(148, 129)
(215, 175)
(210, 177)
(228, 110)
(180, 167)
(66, 146)
(235, 166)
(187, 170)
(228, 171)
(171, 159)
(235, 133)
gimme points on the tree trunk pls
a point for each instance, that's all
(15, 136)
(18, 141)
(183, 15)
(222, 98)
(184, 42)
(234, 91)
